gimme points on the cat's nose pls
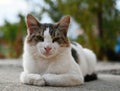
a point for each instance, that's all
(47, 49)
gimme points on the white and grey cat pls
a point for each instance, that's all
(49, 57)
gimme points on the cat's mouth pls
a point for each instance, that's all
(45, 54)
(48, 55)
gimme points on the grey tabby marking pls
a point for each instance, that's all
(55, 32)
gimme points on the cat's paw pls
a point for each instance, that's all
(37, 80)
(32, 79)
(48, 78)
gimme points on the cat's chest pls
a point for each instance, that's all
(47, 66)
(38, 66)
(41, 66)
(56, 65)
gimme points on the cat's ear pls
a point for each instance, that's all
(63, 24)
(31, 22)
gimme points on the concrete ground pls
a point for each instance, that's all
(108, 80)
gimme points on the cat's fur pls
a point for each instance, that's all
(50, 59)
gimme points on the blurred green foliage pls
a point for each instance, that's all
(91, 15)
(101, 14)
(11, 39)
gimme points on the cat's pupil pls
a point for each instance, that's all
(55, 39)
(39, 38)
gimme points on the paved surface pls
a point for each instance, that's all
(10, 70)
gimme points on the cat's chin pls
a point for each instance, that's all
(47, 56)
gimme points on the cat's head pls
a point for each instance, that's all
(47, 40)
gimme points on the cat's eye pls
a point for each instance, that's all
(39, 38)
(56, 39)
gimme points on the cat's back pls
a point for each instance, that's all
(80, 53)
(83, 57)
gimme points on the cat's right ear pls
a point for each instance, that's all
(31, 22)
(63, 24)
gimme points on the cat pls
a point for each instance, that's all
(50, 58)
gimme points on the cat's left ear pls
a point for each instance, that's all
(31, 22)
(63, 24)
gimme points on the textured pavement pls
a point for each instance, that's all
(10, 71)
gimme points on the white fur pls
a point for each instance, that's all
(87, 59)
(58, 68)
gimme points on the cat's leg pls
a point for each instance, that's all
(32, 79)
(63, 79)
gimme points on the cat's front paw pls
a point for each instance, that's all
(32, 79)
(48, 78)
(38, 80)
